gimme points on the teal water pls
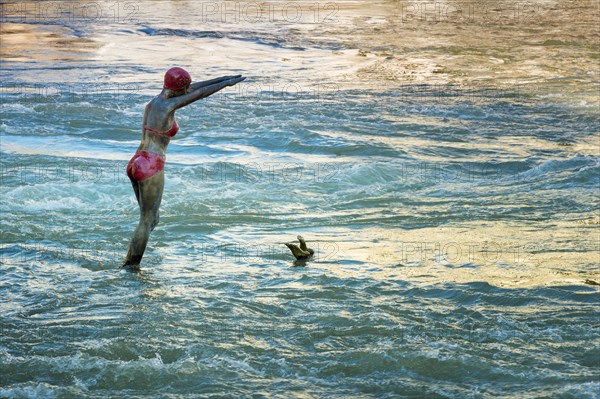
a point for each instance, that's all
(446, 173)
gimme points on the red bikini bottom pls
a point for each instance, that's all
(145, 164)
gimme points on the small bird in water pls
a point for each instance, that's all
(301, 252)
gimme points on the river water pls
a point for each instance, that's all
(441, 158)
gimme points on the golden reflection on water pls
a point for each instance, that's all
(25, 42)
(388, 42)
(499, 253)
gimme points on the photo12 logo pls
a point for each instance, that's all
(69, 11)
(468, 11)
(261, 252)
(485, 252)
(268, 172)
(254, 12)
(66, 92)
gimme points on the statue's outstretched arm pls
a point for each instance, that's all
(198, 85)
(185, 99)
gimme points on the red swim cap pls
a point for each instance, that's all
(177, 78)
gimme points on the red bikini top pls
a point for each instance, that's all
(170, 133)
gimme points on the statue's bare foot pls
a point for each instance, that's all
(133, 268)
(130, 267)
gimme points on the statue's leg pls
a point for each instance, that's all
(149, 195)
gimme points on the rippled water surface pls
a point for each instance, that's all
(443, 162)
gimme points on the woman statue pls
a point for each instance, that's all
(145, 169)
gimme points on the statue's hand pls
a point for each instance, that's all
(235, 80)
